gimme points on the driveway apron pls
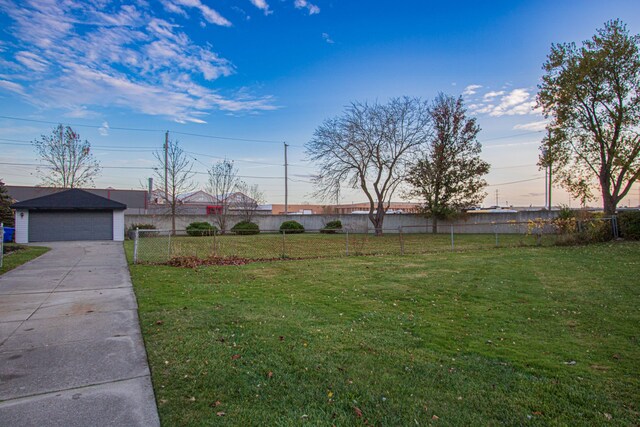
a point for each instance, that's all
(71, 351)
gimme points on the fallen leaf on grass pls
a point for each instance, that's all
(537, 413)
(357, 411)
(608, 416)
(235, 357)
(270, 374)
(435, 417)
(192, 399)
(281, 338)
(159, 322)
(220, 414)
(214, 404)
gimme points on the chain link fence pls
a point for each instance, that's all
(160, 246)
(1, 244)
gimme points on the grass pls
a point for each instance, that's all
(314, 245)
(19, 254)
(518, 336)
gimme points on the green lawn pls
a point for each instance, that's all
(515, 336)
(314, 245)
(19, 255)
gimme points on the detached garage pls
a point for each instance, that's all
(69, 215)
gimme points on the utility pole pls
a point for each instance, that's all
(497, 204)
(286, 181)
(166, 166)
(550, 181)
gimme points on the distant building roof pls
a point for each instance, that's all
(70, 199)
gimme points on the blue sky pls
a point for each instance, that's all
(273, 70)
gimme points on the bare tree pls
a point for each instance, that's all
(179, 172)
(592, 95)
(249, 199)
(68, 161)
(369, 148)
(223, 181)
(448, 175)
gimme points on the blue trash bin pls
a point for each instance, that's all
(8, 234)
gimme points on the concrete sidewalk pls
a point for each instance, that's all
(71, 351)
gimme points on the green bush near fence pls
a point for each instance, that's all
(201, 229)
(629, 223)
(245, 228)
(291, 227)
(132, 229)
(332, 227)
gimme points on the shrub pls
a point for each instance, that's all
(629, 223)
(291, 227)
(331, 227)
(201, 229)
(245, 228)
(132, 229)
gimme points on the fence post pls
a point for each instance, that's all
(614, 226)
(401, 241)
(347, 242)
(495, 230)
(135, 246)
(169, 247)
(1, 243)
(284, 249)
(215, 249)
(452, 247)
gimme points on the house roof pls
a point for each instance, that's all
(70, 199)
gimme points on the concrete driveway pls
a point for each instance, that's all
(71, 351)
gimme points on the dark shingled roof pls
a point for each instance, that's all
(70, 199)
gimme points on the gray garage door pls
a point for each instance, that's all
(54, 226)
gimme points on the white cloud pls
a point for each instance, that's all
(517, 102)
(104, 129)
(471, 90)
(11, 86)
(304, 4)
(533, 126)
(327, 38)
(77, 56)
(209, 14)
(262, 5)
(490, 95)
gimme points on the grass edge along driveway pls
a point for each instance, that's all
(518, 336)
(20, 256)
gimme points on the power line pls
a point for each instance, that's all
(22, 142)
(511, 136)
(101, 167)
(228, 138)
(515, 182)
(80, 125)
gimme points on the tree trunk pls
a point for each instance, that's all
(609, 201)
(377, 219)
(609, 204)
(434, 225)
(173, 218)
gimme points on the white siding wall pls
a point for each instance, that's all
(22, 226)
(118, 225)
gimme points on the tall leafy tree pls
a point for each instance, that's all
(6, 215)
(67, 161)
(592, 95)
(448, 174)
(369, 147)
